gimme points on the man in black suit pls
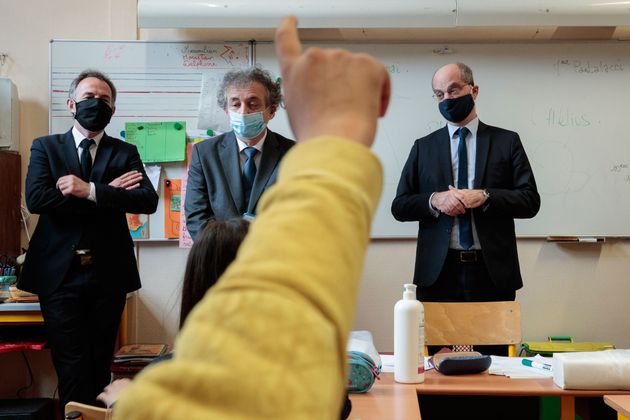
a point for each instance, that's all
(465, 183)
(228, 173)
(81, 258)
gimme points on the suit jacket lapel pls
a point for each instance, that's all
(70, 154)
(103, 153)
(445, 165)
(483, 148)
(229, 158)
(268, 162)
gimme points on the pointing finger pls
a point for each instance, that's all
(288, 47)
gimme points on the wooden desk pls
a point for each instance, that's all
(492, 385)
(386, 400)
(621, 403)
(29, 313)
(20, 313)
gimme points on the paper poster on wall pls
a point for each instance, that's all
(194, 137)
(154, 172)
(158, 141)
(211, 115)
(138, 225)
(172, 207)
(185, 240)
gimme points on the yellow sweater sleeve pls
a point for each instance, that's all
(268, 342)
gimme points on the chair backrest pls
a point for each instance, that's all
(89, 412)
(476, 323)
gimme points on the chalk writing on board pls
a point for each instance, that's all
(198, 60)
(393, 68)
(588, 66)
(566, 118)
(113, 52)
(433, 125)
(229, 54)
(207, 56)
(619, 167)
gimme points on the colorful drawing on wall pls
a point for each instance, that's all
(172, 207)
(138, 225)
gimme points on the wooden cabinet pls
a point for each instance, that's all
(10, 193)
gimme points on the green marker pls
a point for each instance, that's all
(178, 126)
(210, 132)
(534, 364)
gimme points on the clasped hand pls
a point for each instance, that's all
(455, 201)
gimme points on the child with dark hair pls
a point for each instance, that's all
(212, 252)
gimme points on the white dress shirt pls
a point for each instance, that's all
(78, 138)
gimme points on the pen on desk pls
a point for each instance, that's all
(531, 363)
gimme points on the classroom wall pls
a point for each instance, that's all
(579, 290)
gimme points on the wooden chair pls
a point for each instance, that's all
(472, 323)
(89, 412)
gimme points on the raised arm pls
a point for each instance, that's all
(273, 331)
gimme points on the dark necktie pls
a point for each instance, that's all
(86, 159)
(249, 172)
(465, 222)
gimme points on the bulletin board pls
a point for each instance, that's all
(156, 82)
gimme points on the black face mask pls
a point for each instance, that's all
(93, 114)
(457, 109)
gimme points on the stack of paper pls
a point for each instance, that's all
(607, 369)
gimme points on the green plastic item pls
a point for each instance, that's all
(563, 344)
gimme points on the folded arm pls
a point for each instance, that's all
(42, 192)
(138, 200)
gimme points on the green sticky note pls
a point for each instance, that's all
(158, 141)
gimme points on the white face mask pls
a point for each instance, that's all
(247, 126)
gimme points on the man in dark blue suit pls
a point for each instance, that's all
(81, 258)
(229, 173)
(465, 184)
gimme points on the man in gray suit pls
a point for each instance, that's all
(228, 173)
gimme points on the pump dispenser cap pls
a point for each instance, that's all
(410, 292)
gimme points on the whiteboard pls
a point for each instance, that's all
(156, 81)
(568, 102)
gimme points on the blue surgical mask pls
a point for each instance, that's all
(247, 126)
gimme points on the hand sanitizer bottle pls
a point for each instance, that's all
(409, 338)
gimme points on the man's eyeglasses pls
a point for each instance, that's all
(453, 92)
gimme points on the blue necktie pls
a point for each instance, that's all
(249, 172)
(465, 222)
(86, 159)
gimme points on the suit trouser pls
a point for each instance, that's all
(81, 320)
(464, 278)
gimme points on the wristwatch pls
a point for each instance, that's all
(486, 194)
